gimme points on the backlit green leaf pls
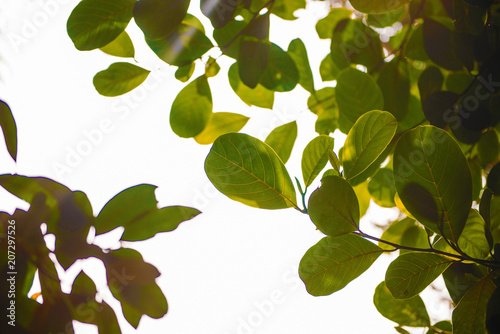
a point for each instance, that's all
(382, 188)
(377, 6)
(252, 61)
(394, 82)
(325, 26)
(427, 163)
(9, 128)
(385, 19)
(470, 314)
(297, 50)
(258, 96)
(334, 207)
(122, 46)
(184, 73)
(367, 139)
(411, 273)
(408, 312)
(96, 23)
(459, 278)
(281, 140)
(119, 78)
(356, 93)
(142, 218)
(248, 171)
(192, 108)
(181, 47)
(286, 8)
(221, 123)
(473, 240)
(315, 157)
(159, 18)
(488, 147)
(219, 12)
(323, 104)
(281, 74)
(332, 263)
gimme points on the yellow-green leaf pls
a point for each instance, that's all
(281, 140)
(315, 157)
(221, 123)
(121, 46)
(119, 78)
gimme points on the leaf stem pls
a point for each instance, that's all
(486, 263)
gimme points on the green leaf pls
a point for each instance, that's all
(458, 82)
(437, 105)
(315, 157)
(136, 210)
(259, 96)
(121, 46)
(181, 47)
(427, 164)
(219, 12)
(363, 196)
(281, 74)
(441, 327)
(367, 139)
(95, 23)
(356, 93)
(385, 19)
(372, 169)
(192, 108)
(212, 68)
(334, 161)
(414, 49)
(334, 207)
(281, 140)
(438, 44)
(493, 179)
(9, 128)
(408, 312)
(411, 273)
(485, 212)
(488, 147)
(252, 61)
(159, 18)
(325, 26)
(184, 73)
(405, 232)
(119, 78)
(473, 240)
(297, 50)
(459, 278)
(332, 263)
(330, 68)
(357, 44)
(477, 178)
(322, 103)
(382, 188)
(394, 82)
(286, 8)
(430, 81)
(470, 314)
(219, 124)
(135, 286)
(377, 6)
(468, 18)
(248, 171)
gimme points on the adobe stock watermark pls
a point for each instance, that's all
(94, 137)
(32, 25)
(265, 308)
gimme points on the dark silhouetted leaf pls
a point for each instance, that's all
(8, 125)
(437, 105)
(332, 263)
(394, 82)
(468, 18)
(439, 45)
(248, 171)
(252, 61)
(220, 12)
(96, 23)
(488, 147)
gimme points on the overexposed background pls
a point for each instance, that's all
(231, 270)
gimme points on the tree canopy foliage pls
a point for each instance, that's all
(420, 106)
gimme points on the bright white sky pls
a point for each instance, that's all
(218, 268)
